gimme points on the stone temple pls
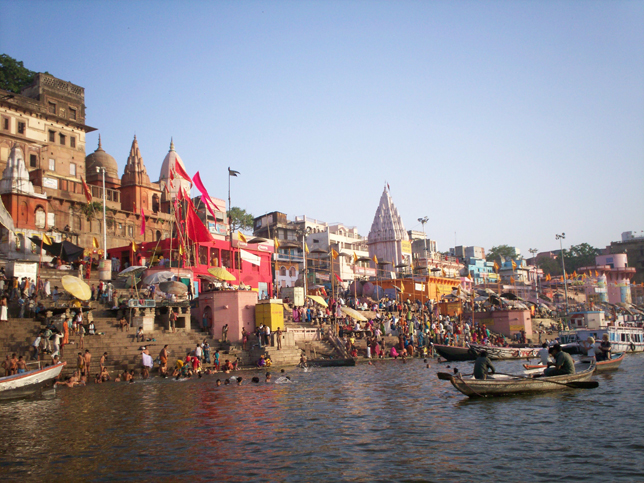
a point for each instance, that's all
(388, 239)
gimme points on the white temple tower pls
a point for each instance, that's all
(388, 239)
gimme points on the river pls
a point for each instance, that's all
(386, 422)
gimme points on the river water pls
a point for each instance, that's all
(386, 422)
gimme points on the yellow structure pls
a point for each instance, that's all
(421, 288)
(270, 313)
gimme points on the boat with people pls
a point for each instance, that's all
(621, 338)
(600, 366)
(510, 384)
(28, 383)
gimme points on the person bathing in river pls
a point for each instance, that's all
(482, 366)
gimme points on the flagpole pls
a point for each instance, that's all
(102, 169)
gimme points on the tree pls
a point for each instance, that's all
(582, 255)
(240, 220)
(14, 76)
(494, 254)
(550, 266)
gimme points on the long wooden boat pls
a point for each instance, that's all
(28, 383)
(452, 353)
(506, 353)
(601, 366)
(510, 386)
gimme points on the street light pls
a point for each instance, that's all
(533, 251)
(303, 232)
(100, 169)
(563, 267)
(424, 220)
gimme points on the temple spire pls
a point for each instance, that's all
(100, 146)
(171, 144)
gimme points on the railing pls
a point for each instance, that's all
(110, 194)
(303, 333)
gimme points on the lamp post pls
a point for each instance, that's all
(101, 169)
(563, 266)
(424, 220)
(231, 172)
(303, 232)
(533, 251)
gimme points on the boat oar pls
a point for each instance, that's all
(573, 384)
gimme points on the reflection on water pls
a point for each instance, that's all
(387, 422)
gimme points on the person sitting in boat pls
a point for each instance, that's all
(589, 347)
(563, 363)
(603, 350)
(482, 366)
(544, 354)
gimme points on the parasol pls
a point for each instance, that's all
(319, 300)
(318, 251)
(76, 287)
(221, 273)
(402, 265)
(364, 259)
(354, 314)
(176, 288)
(131, 271)
(257, 239)
(158, 277)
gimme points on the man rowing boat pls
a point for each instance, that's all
(482, 365)
(563, 363)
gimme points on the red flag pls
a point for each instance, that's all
(181, 172)
(171, 175)
(210, 204)
(195, 228)
(338, 278)
(142, 222)
(88, 194)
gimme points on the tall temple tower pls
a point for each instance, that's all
(388, 239)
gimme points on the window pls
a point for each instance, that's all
(51, 220)
(62, 139)
(52, 164)
(5, 123)
(130, 231)
(21, 127)
(291, 272)
(52, 136)
(52, 108)
(20, 242)
(72, 169)
(33, 161)
(72, 141)
(282, 271)
(72, 113)
(40, 218)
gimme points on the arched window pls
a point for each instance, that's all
(23, 213)
(20, 242)
(291, 272)
(40, 217)
(155, 203)
(282, 271)
(159, 238)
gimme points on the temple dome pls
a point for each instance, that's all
(164, 176)
(101, 159)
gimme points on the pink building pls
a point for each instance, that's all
(610, 279)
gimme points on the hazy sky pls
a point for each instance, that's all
(503, 122)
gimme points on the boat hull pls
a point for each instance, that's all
(602, 366)
(455, 354)
(29, 383)
(521, 385)
(507, 353)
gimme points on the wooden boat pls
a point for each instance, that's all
(601, 366)
(510, 386)
(505, 353)
(452, 353)
(28, 383)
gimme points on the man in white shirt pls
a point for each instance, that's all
(199, 352)
(147, 363)
(544, 354)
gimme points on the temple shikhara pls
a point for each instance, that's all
(387, 239)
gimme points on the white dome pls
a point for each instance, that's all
(164, 176)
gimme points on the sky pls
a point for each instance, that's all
(502, 122)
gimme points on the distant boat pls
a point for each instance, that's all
(622, 339)
(504, 353)
(601, 366)
(28, 383)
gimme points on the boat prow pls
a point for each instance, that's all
(28, 383)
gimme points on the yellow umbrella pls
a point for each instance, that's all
(318, 299)
(221, 273)
(354, 314)
(76, 287)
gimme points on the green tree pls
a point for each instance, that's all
(494, 254)
(14, 76)
(240, 220)
(550, 266)
(577, 256)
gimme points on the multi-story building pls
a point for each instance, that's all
(609, 280)
(42, 155)
(632, 245)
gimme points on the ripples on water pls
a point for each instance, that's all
(387, 422)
